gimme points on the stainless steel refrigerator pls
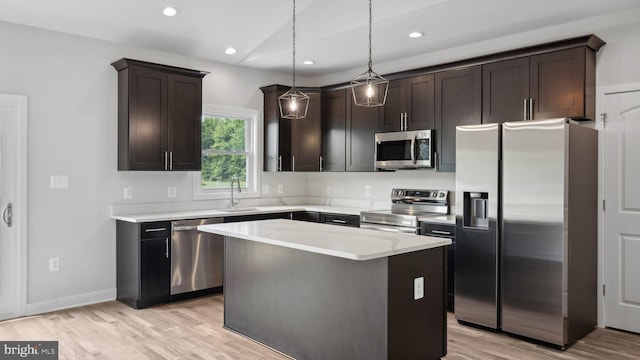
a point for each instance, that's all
(526, 228)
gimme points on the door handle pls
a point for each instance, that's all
(171, 160)
(293, 163)
(524, 110)
(413, 149)
(166, 160)
(321, 163)
(7, 215)
(166, 247)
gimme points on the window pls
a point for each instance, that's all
(228, 150)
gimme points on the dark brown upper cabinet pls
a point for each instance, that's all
(347, 133)
(409, 105)
(360, 135)
(159, 116)
(291, 145)
(458, 102)
(544, 86)
(334, 127)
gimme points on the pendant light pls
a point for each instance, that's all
(294, 103)
(369, 89)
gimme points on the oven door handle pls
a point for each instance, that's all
(413, 149)
(389, 228)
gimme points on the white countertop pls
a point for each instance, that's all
(339, 241)
(439, 219)
(201, 214)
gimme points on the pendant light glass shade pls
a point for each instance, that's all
(369, 89)
(294, 103)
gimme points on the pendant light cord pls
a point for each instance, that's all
(370, 19)
(294, 44)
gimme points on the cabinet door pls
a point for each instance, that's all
(390, 115)
(277, 135)
(155, 268)
(306, 137)
(185, 123)
(360, 137)
(419, 102)
(505, 90)
(147, 120)
(558, 84)
(334, 122)
(458, 102)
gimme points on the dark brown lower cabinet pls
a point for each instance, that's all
(458, 102)
(143, 263)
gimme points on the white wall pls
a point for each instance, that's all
(72, 90)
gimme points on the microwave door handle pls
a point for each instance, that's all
(413, 150)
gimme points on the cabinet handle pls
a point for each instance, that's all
(406, 121)
(293, 163)
(320, 163)
(280, 163)
(435, 159)
(166, 247)
(166, 161)
(401, 121)
(7, 215)
(155, 230)
(524, 110)
(441, 232)
(170, 160)
(339, 221)
(530, 108)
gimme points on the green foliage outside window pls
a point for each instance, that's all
(223, 151)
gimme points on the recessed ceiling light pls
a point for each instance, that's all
(308, 62)
(230, 51)
(169, 11)
(416, 34)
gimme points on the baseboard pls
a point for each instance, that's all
(71, 301)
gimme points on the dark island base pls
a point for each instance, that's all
(313, 306)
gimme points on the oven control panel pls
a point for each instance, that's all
(414, 195)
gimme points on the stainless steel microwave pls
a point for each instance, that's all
(404, 150)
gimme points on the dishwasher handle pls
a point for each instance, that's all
(185, 228)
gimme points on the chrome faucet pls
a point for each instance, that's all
(235, 178)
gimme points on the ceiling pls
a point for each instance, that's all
(333, 33)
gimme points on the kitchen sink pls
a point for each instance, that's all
(240, 209)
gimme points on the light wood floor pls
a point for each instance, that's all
(193, 330)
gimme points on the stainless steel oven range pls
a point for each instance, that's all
(407, 207)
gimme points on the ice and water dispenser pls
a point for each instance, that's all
(475, 209)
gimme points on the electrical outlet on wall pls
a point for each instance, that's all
(128, 193)
(280, 189)
(171, 191)
(54, 264)
(367, 190)
(59, 181)
(418, 288)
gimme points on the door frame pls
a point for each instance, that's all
(601, 92)
(19, 105)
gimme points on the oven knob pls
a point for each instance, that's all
(441, 194)
(434, 194)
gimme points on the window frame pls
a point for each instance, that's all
(252, 186)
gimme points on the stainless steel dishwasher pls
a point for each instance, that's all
(196, 257)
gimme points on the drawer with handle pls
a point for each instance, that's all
(438, 230)
(158, 229)
(340, 219)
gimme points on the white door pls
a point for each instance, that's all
(13, 116)
(622, 214)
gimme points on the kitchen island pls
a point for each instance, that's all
(316, 291)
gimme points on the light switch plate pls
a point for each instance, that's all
(59, 181)
(418, 288)
(128, 193)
